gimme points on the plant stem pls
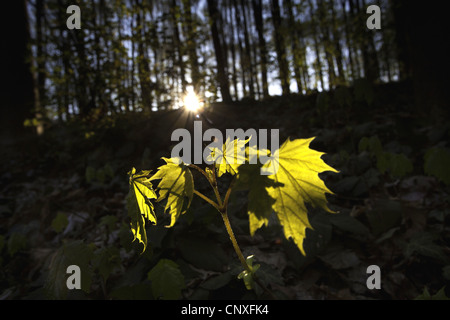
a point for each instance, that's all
(222, 208)
(193, 166)
(227, 195)
(212, 182)
(233, 240)
(240, 255)
(216, 189)
(211, 202)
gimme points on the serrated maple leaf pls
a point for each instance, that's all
(139, 206)
(259, 206)
(176, 184)
(229, 157)
(294, 169)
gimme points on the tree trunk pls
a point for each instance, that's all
(403, 42)
(372, 68)
(64, 47)
(40, 95)
(354, 38)
(248, 56)
(348, 42)
(143, 65)
(218, 50)
(365, 41)
(17, 90)
(295, 47)
(324, 28)
(191, 45)
(82, 87)
(280, 47)
(241, 49)
(318, 63)
(423, 55)
(174, 12)
(257, 10)
(233, 52)
(337, 45)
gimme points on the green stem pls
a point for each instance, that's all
(222, 208)
(201, 195)
(227, 195)
(216, 190)
(233, 240)
(240, 255)
(212, 182)
(193, 166)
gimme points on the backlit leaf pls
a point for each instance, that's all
(139, 206)
(296, 169)
(260, 203)
(176, 184)
(230, 157)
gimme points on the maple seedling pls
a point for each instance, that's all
(291, 180)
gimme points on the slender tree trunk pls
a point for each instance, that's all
(41, 58)
(324, 28)
(174, 12)
(373, 69)
(83, 87)
(424, 56)
(220, 59)
(280, 47)
(191, 45)
(354, 37)
(364, 41)
(248, 55)
(348, 41)
(121, 71)
(257, 10)
(97, 88)
(233, 52)
(296, 54)
(64, 47)
(337, 45)
(318, 63)
(133, 66)
(143, 64)
(17, 88)
(241, 49)
(255, 68)
(402, 41)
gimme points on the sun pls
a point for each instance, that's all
(191, 101)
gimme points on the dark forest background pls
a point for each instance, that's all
(80, 107)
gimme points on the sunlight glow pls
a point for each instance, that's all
(191, 101)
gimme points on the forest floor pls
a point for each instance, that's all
(66, 192)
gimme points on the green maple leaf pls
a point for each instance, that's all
(230, 157)
(139, 206)
(259, 206)
(294, 169)
(176, 184)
